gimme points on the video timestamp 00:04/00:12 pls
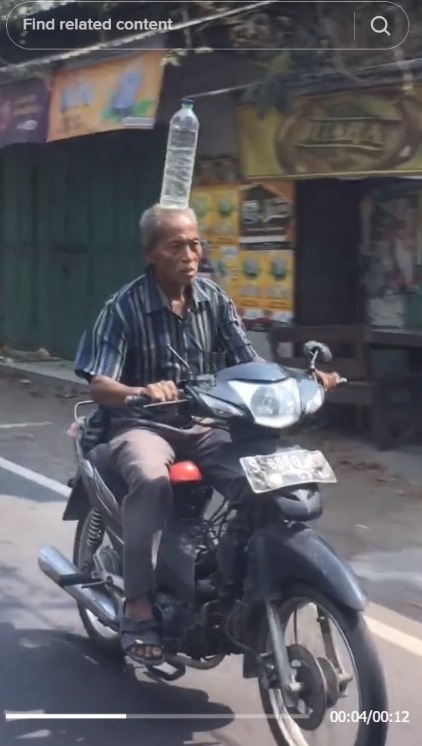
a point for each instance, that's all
(370, 716)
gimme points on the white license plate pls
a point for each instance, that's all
(287, 468)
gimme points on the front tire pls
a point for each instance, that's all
(103, 637)
(369, 673)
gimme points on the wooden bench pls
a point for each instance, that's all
(351, 350)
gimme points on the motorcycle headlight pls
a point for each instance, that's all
(220, 408)
(276, 405)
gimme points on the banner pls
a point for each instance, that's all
(120, 94)
(248, 236)
(363, 133)
(23, 112)
(217, 210)
(266, 286)
(266, 260)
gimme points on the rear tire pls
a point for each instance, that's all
(369, 672)
(109, 642)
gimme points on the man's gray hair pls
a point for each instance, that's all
(153, 219)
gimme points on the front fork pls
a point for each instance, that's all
(286, 678)
(285, 674)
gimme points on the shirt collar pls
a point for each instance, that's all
(156, 300)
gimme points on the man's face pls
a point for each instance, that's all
(177, 251)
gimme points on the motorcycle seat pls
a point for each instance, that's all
(180, 472)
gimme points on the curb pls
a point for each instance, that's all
(47, 379)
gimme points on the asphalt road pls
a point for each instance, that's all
(48, 666)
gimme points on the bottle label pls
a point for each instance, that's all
(182, 139)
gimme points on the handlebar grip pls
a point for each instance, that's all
(139, 400)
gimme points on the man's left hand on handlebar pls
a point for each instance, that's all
(162, 391)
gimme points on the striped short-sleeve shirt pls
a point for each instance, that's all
(136, 334)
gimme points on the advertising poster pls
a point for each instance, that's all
(279, 285)
(391, 251)
(266, 258)
(267, 212)
(24, 112)
(120, 94)
(265, 288)
(248, 235)
(217, 209)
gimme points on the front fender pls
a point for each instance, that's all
(285, 554)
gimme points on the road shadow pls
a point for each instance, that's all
(56, 672)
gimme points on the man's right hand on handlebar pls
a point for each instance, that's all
(327, 380)
(161, 391)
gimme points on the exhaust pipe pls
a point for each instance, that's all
(57, 567)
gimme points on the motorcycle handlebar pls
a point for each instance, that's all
(139, 400)
(142, 400)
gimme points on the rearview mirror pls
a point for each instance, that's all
(314, 350)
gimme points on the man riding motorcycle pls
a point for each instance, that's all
(129, 352)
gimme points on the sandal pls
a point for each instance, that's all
(143, 634)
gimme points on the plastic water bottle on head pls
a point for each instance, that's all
(180, 158)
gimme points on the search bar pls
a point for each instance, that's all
(360, 25)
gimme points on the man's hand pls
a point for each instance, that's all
(327, 380)
(162, 391)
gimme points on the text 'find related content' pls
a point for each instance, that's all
(41, 31)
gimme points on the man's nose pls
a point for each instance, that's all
(188, 253)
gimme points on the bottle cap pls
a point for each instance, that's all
(188, 101)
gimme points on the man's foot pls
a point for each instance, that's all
(139, 637)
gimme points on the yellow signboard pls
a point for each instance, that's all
(217, 209)
(362, 133)
(248, 236)
(120, 94)
(265, 288)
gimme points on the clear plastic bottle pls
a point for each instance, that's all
(180, 158)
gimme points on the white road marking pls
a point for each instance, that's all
(33, 476)
(395, 636)
(12, 425)
(385, 632)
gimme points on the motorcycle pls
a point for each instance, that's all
(231, 578)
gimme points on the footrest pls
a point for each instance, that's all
(160, 672)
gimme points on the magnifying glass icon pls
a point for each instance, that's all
(379, 25)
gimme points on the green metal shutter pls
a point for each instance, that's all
(71, 238)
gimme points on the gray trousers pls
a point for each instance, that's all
(143, 456)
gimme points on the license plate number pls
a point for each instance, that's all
(285, 469)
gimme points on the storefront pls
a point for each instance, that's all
(352, 165)
(352, 160)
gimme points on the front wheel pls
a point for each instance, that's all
(320, 708)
